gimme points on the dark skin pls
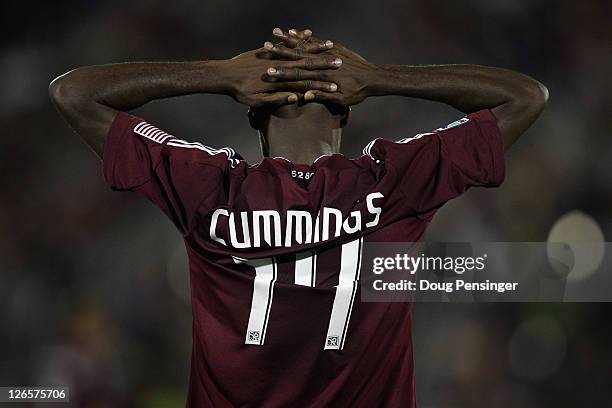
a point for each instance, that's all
(89, 98)
(308, 75)
(515, 99)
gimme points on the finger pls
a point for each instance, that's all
(298, 53)
(305, 85)
(288, 40)
(295, 74)
(324, 97)
(304, 40)
(281, 51)
(275, 98)
(302, 35)
(316, 63)
(301, 62)
(316, 47)
(316, 40)
(307, 63)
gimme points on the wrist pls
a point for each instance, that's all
(390, 80)
(213, 76)
(374, 81)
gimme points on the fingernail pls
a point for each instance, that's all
(277, 31)
(272, 71)
(329, 43)
(268, 45)
(308, 32)
(309, 96)
(337, 62)
(292, 98)
(293, 32)
(333, 87)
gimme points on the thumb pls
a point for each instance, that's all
(275, 98)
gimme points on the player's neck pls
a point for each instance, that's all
(303, 139)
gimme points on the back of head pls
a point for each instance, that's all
(299, 131)
(259, 117)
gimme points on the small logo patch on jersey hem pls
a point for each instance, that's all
(254, 335)
(333, 341)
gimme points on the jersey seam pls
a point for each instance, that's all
(490, 149)
(418, 213)
(196, 212)
(189, 221)
(128, 129)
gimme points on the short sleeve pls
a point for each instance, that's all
(434, 167)
(176, 175)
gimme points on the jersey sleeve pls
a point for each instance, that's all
(177, 176)
(431, 168)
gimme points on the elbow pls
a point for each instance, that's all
(540, 95)
(532, 96)
(56, 90)
(65, 91)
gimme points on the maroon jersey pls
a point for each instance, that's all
(275, 254)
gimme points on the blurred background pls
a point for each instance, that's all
(94, 284)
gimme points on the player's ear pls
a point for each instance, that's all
(258, 118)
(253, 120)
(346, 115)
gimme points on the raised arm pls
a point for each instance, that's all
(515, 99)
(88, 98)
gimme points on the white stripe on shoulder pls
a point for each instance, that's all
(151, 132)
(229, 152)
(159, 136)
(415, 137)
(367, 151)
(192, 145)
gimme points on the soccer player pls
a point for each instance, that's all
(274, 247)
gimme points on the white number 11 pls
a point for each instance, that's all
(305, 274)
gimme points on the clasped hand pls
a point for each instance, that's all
(299, 68)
